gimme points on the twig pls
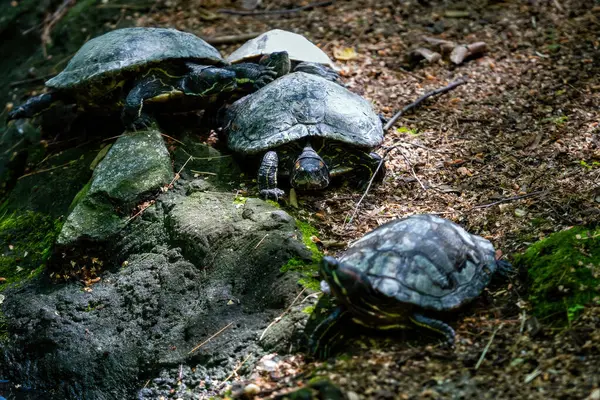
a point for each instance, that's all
(231, 38)
(52, 20)
(487, 347)
(412, 170)
(278, 12)
(172, 138)
(179, 172)
(421, 99)
(276, 320)
(388, 125)
(212, 337)
(261, 240)
(40, 79)
(524, 196)
(235, 370)
(45, 170)
(203, 172)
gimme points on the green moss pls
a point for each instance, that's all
(80, 195)
(241, 200)
(563, 272)
(308, 310)
(3, 328)
(27, 239)
(273, 203)
(309, 269)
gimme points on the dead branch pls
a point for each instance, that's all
(421, 99)
(231, 38)
(213, 336)
(31, 81)
(461, 52)
(389, 124)
(52, 20)
(278, 12)
(524, 196)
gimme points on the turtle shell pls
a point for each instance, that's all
(130, 49)
(298, 47)
(424, 260)
(297, 106)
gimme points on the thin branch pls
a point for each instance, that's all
(236, 370)
(388, 125)
(412, 170)
(421, 99)
(231, 38)
(278, 12)
(487, 347)
(31, 81)
(212, 337)
(524, 196)
(276, 320)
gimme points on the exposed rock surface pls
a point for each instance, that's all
(135, 167)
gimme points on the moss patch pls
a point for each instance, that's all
(563, 272)
(308, 269)
(27, 239)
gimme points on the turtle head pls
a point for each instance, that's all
(207, 81)
(310, 171)
(279, 61)
(345, 281)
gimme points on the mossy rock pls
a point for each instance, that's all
(27, 239)
(563, 272)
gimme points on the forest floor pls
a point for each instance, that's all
(512, 155)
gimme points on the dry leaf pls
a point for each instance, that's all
(345, 54)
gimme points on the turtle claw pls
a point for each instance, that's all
(267, 76)
(274, 194)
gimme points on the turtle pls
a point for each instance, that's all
(304, 56)
(133, 67)
(308, 129)
(399, 272)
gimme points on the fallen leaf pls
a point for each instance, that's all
(345, 54)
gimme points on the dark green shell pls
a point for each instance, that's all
(424, 260)
(131, 49)
(297, 106)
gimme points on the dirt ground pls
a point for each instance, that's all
(512, 155)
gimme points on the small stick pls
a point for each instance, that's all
(487, 347)
(210, 338)
(179, 172)
(235, 370)
(412, 170)
(40, 79)
(276, 320)
(261, 240)
(524, 196)
(203, 172)
(231, 38)
(45, 170)
(389, 124)
(278, 12)
(172, 138)
(421, 99)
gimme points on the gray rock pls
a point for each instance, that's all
(135, 167)
(138, 164)
(195, 264)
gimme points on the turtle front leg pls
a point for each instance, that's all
(329, 333)
(434, 325)
(319, 70)
(267, 177)
(150, 87)
(34, 106)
